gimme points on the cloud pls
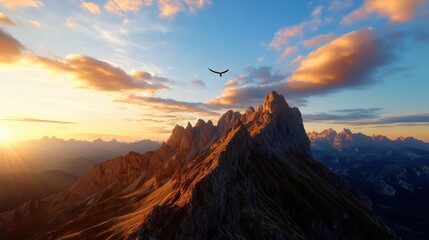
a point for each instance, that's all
(317, 11)
(348, 61)
(169, 8)
(167, 105)
(157, 130)
(90, 7)
(260, 76)
(344, 114)
(318, 39)
(70, 23)
(397, 11)
(99, 75)
(5, 20)
(198, 84)
(249, 88)
(337, 5)
(408, 119)
(283, 35)
(11, 49)
(21, 3)
(364, 117)
(287, 52)
(36, 120)
(120, 6)
(35, 23)
(90, 72)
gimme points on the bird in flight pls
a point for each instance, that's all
(220, 73)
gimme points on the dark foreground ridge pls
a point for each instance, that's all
(250, 177)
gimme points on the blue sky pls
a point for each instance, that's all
(132, 69)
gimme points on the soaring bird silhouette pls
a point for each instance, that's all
(220, 73)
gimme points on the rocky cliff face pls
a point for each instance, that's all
(250, 177)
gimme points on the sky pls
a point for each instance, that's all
(133, 69)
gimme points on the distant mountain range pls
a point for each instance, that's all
(72, 156)
(394, 174)
(251, 176)
(35, 169)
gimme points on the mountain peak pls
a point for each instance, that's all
(209, 182)
(347, 131)
(274, 102)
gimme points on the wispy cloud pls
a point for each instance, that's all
(283, 36)
(397, 11)
(401, 119)
(344, 114)
(37, 120)
(366, 116)
(167, 105)
(337, 5)
(287, 52)
(70, 23)
(121, 6)
(90, 7)
(11, 49)
(198, 84)
(35, 23)
(169, 8)
(5, 20)
(318, 39)
(21, 3)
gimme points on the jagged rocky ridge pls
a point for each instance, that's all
(346, 140)
(250, 177)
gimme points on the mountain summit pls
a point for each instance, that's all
(250, 177)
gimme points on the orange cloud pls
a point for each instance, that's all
(287, 52)
(90, 7)
(21, 3)
(396, 11)
(118, 6)
(318, 39)
(282, 36)
(347, 60)
(99, 75)
(5, 20)
(169, 8)
(11, 49)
